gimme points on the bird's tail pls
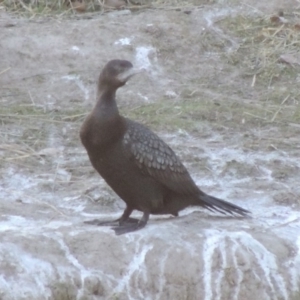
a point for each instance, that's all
(224, 207)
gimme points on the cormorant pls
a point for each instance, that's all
(141, 168)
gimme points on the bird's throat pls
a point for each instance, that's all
(106, 106)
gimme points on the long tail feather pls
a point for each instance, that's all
(213, 203)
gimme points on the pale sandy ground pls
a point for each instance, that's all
(48, 187)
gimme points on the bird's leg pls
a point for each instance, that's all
(129, 227)
(120, 221)
(125, 217)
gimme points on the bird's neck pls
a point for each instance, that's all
(107, 124)
(104, 126)
(106, 106)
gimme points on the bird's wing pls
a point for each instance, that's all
(155, 158)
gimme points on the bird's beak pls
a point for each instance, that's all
(126, 75)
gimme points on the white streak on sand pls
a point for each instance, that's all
(211, 244)
(137, 265)
(79, 83)
(123, 41)
(31, 272)
(142, 56)
(265, 263)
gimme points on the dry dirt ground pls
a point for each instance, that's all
(221, 87)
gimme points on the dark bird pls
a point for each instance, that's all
(141, 168)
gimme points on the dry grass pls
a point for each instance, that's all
(268, 53)
(28, 142)
(263, 42)
(62, 7)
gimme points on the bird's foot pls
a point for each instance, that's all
(117, 222)
(128, 227)
(102, 223)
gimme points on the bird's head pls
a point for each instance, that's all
(116, 73)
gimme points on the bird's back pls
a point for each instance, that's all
(156, 159)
